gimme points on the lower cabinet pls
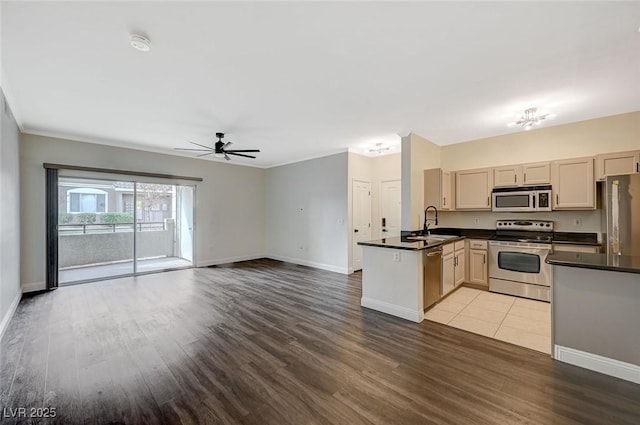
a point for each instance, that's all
(453, 266)
(448, 274)
(478, 263)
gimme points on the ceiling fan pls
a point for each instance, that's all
(220, 149)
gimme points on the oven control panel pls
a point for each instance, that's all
(525, 225)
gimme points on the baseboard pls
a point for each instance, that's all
(314, 264)
(9, 314)
(392, 309)
(33, 286)
(611, 367)
(215, 262)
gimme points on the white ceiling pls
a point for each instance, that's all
(300, 79)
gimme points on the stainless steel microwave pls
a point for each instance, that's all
(521, 199)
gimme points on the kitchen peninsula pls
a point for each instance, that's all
(396, 274)
(595, 311)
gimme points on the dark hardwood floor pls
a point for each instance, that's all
(264, 342)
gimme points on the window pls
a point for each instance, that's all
(86, 200)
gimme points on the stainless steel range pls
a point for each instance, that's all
(517, 256)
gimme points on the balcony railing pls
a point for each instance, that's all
(77, 229)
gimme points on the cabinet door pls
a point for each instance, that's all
(447, 200)
(478, 267)
(573, 184)
(448, 274)
(615, 164)
(539, 173)
(460, 265)
(576, 248)
(507, 176)
(473, 189)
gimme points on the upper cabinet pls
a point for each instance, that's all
(510, 175)
(573, 184)
(518, 175)
(473, 189)
(539, 173)
(614, 164)
(438, 188)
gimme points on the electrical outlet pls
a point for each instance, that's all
(396, 256)
(577, 222)
(476, 220)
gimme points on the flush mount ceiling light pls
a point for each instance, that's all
(140, 42)
(529, 119)
(379, 149)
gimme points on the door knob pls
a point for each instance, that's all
(356, 230)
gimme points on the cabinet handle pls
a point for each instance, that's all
(515, 178)
(484, 259)
(525, 178)
(637, 167)
(488, 201)
(557, 199)
(444, 200)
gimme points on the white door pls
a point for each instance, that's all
(390, 207)
(361, 219)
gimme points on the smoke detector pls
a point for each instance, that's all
(140, 42)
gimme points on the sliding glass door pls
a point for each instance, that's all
(109, 228)
(164, 227)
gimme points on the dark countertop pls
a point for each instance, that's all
(576, 238)
(401, 242)
(584, 260)
(571, 238)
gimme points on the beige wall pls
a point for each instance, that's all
(590, 221)
(229, 207)
(609, 134)
(418, 154)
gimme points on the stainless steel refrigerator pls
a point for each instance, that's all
(623, 214)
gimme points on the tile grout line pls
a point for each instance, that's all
(466, 305)
(513, 302)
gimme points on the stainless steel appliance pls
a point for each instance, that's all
(623, 214)
(517, 257)
(431, 276)
(521, 199)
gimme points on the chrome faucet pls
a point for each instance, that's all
(425, 226)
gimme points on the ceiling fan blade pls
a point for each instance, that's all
(205, 154)
(187, 149)
(227, 145)
(239, 154)
(244, 150)
(198, 144)
(227, 157)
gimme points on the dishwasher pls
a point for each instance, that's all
(432, 267)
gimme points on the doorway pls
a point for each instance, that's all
(361, 210)
(114, 228)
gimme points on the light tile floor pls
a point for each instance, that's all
(515, 320)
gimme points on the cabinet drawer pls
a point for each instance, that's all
(458, 245)
(447, 249)
(576, 248)
(477, 244)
